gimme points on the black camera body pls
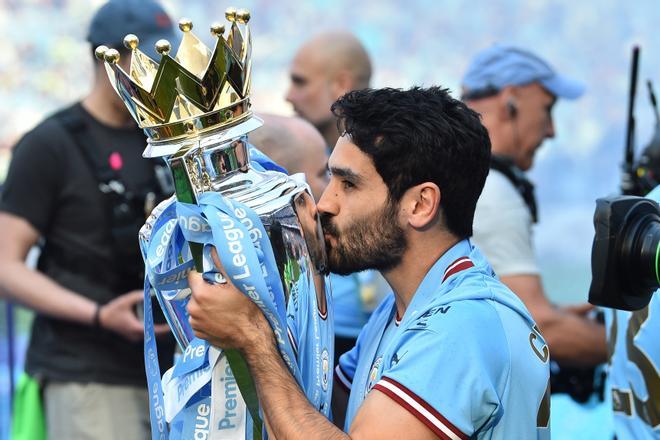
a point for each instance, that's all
(625, 254)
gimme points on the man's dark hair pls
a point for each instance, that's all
(421, 135)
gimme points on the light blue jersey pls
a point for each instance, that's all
(350, 315)
(633, 371)
(355, 296)
(634, 378)
(466, 358)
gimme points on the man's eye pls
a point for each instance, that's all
(347, 184)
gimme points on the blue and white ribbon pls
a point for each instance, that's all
(201, 376)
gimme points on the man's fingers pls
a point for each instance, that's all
(194, 280)
(133, 324)
(161, 329)
(192, 307)
(133, 297)
(219, 266)
(216, 260)
(579, 309)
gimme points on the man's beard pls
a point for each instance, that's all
(373, 242)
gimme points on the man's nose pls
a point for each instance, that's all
(327, 204)
(289, 94)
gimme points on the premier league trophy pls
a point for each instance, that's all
(195, 109)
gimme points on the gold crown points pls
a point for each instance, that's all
(111, 56)
(163, 47)
(197, 89)
(217, 29)
(131, 41)
(99, 52)
(185, 24)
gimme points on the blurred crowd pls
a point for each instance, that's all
(45, 64)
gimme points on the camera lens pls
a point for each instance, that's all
(625, 254)
(639, 246)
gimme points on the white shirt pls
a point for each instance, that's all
(503, 228)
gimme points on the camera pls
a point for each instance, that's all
(625, 258)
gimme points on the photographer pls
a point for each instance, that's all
(515, 91)
(79, 188)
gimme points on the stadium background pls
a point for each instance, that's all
(45, 63)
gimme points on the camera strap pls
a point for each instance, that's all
(517, 177)
(108, 179)
(125, 209)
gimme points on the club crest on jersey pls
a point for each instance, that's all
(325, 365)
(373, 375)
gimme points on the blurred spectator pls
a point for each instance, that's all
(296, 145)
(323, 69)
(515, 91)
(78, 187)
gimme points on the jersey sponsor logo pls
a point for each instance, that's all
(373, 374)
(422, 320)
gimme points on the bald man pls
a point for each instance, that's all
(296, 145)
(325, 68)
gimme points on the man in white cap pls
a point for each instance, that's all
(515, 91)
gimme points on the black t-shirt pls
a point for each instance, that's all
(52, 185)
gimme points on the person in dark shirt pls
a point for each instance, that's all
(78, 187)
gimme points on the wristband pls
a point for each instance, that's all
(96, 320)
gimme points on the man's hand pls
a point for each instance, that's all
(223, 315)
(119, 316)
(578, 309)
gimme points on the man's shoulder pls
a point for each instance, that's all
(466, 334)
(49, 135)
(499, 189)
(461, 317)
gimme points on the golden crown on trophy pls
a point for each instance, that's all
(198, 90)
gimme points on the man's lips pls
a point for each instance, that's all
(329, 239)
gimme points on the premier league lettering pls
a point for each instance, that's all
(202, 422)
(234, 244)
(230, 414)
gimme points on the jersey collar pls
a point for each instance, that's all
(454, 260)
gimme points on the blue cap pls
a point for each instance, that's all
(145, 18)
(500, 66)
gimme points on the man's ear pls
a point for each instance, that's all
(506, 107)
(422, 204)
